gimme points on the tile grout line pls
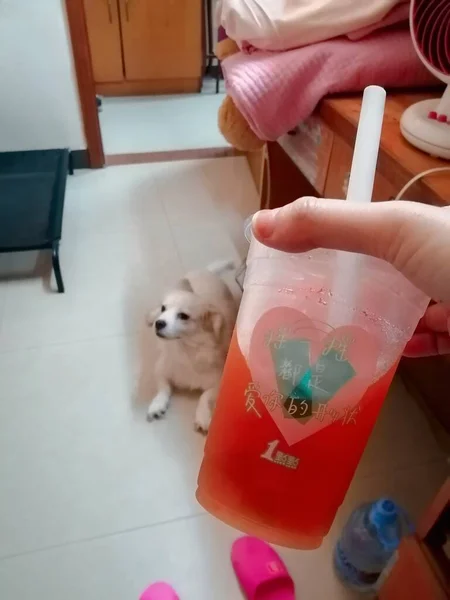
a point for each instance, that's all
(217, 217)
(94, 538)
(68, 342)
(13, 556)
(172, 235)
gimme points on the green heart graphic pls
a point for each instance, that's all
(303, 386)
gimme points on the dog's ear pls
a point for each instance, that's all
(152, 316)
(214, 322)
(184, 285)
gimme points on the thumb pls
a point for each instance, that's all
(336, 224)
(411, 236)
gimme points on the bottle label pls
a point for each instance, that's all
(386, 571)
(307, 374)
(350, 574)
(274, 455)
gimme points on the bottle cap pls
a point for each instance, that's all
(384, 515)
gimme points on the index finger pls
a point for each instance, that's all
(436, 318)
(427, 344)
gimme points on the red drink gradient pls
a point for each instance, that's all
(291, 506)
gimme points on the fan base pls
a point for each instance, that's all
(428, 135)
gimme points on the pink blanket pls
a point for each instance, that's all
(275, 91)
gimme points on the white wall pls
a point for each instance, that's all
(38, 92)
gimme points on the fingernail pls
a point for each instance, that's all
(264, 223)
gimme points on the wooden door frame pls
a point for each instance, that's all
(76, 19)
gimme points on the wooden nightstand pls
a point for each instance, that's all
(316, 157)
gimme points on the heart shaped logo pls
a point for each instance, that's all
(308, 374)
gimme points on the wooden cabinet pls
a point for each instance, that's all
(145, 46)
(102, 19)
(161, 39)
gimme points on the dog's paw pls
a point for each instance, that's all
(202, 420)
(201, 428)
(158, 407)
(152, 414)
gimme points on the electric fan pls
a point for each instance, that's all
(426, 124)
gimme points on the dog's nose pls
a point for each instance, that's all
(160, 324)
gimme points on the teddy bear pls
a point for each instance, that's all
(232, 123)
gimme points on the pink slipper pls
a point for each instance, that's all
(159, 591)
(260, 571)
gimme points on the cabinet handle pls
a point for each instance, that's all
(127, 9)
(110, 15)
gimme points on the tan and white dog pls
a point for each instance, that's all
(194, 326)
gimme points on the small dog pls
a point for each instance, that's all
(194, 326)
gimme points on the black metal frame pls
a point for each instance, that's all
(57, 267)
(62, 163)
(212, 69)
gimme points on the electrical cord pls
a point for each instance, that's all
(406, 187)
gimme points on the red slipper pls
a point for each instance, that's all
(159, 591)
(260, 571)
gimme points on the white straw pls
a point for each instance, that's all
(360, 189)
(367, 144)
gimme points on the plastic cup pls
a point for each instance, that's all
(300, 394)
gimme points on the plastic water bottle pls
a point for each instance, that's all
(368, 542)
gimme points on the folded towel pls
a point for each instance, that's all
(398, 14)
(285, 24)
(275, 91)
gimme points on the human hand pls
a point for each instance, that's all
(414, 238)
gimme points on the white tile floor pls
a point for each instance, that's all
(161, 123)
(95, 502)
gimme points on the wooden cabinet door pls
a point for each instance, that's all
(283, 182)
(103, 25)
(162, 39)
(339, 173)
(309, 147)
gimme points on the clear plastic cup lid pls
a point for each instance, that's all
(248, 228)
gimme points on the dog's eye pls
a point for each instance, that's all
(183, 316)
(163, 308)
